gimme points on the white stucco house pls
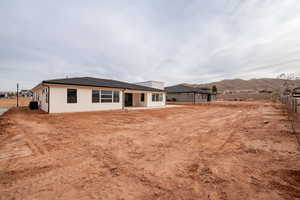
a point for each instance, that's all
(82, 94)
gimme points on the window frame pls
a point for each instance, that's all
(68, 98)
(157, 97)
(113, 96)
(98, 99)
(103, 99)
(153, 97)
(160, 97)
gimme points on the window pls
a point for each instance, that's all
(95, 96)
(116, 97)
(157, 97)
(72, 96)
(160, 97)
(153, 96)
(142, 97)
(106, 96)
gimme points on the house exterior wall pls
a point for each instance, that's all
(188, 97)
(58, 101)
(41, 96)
(136, 98)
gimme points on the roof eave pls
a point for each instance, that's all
(87, 85)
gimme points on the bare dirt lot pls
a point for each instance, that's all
(225, 150)
(11, 102)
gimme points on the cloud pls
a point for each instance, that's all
(179, 41)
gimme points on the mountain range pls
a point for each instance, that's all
(252, 84)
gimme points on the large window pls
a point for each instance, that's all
(160, 97)
(72, 96)
(116, 97)
(95, 96)
(106, 96)
(157, 97)
(153, 96)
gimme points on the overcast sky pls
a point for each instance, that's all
(174, 41)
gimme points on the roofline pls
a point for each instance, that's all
(87, 85)
(202, 88)
(37, 86)
(190, 92)
(149, 81)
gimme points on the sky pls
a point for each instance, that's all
(174, 41)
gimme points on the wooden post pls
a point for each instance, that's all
(17, 94)
(48, 96)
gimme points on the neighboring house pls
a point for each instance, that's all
(91, 94)
(183, 93)
(296, 92)
(3, 94)
(25, 93)
(265, 91)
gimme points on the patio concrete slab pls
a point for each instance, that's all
(145, 108)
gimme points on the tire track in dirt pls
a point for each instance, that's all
(31, 131)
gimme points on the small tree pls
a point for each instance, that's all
(287, 78)
(214, 89)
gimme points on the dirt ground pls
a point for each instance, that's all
(11, 102)
(236, 150)
(245, 96)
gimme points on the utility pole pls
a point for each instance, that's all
(17, 94)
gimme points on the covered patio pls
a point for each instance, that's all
(135, 99)
(142, 99)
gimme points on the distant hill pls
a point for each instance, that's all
(252, 84)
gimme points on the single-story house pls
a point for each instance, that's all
(25, 93)
(183, 93)
(92, 94)
(296, 92)
(3, 94)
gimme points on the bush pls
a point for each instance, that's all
(33, 105)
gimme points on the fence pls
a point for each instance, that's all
(293, 104)
(293, 108)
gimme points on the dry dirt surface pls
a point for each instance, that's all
(237, 150)
(11, 102)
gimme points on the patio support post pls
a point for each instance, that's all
(123, 99)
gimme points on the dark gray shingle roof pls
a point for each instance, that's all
(184, 89)
(97, 82)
